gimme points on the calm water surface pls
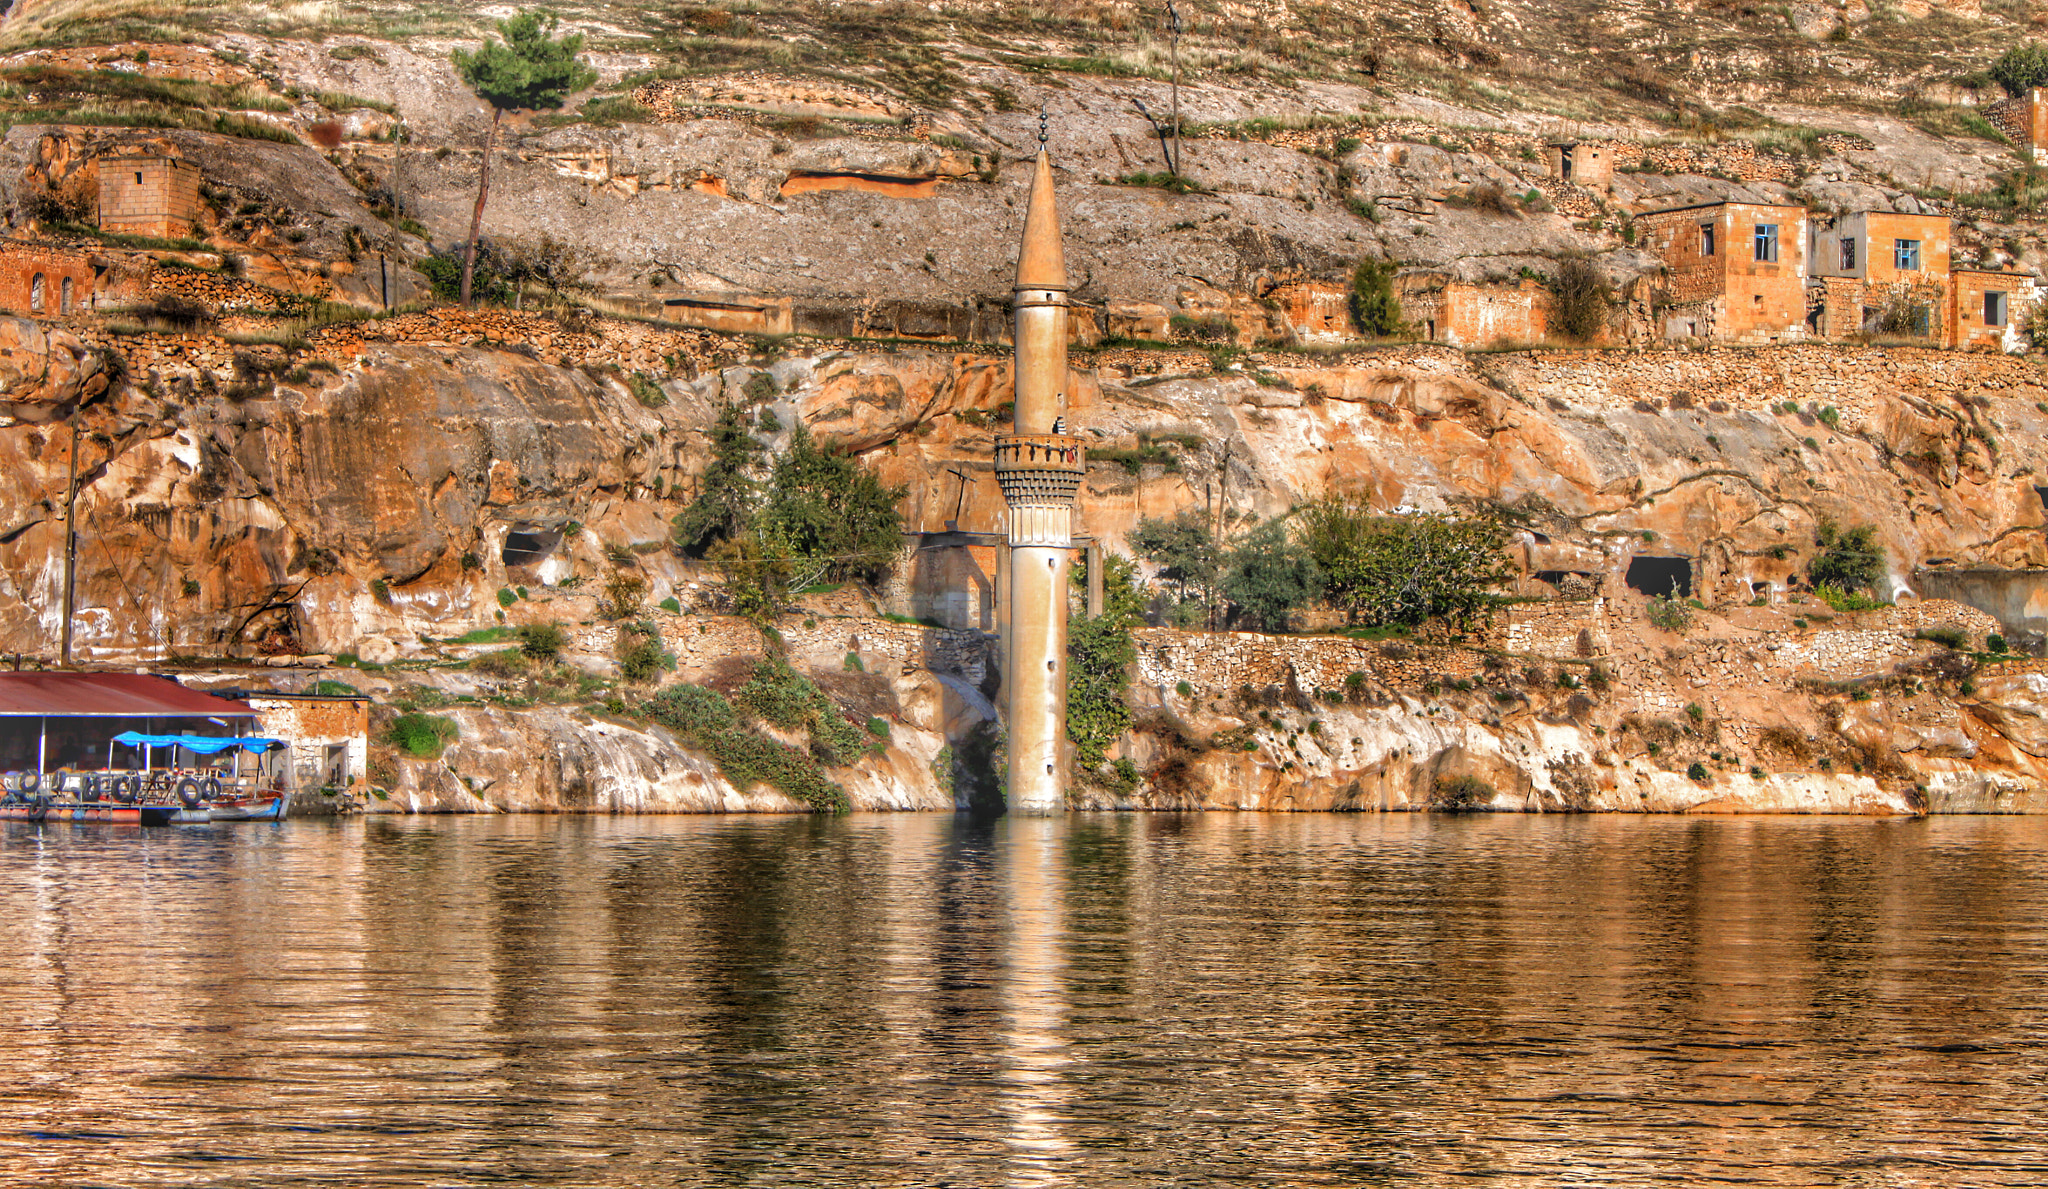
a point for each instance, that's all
(1129, 1000)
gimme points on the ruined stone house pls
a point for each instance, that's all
(1734, 271)
(1581, 164)
(1460, 314)
(2024, 121)
(45, 280)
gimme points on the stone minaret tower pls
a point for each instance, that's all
(1040, 471)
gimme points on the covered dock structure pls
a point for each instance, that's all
(66, 720)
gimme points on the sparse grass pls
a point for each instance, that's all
(340, 101)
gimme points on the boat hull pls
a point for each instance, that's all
(254, 809)
(130, 815)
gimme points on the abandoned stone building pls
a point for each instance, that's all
(2024, 121)
(154, 196)
(1582, 164)
(1459, 314)
(1735, 271)
(44, 280)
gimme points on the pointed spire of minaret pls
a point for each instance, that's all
(1041, 264)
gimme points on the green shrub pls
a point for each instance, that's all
(511, 662)
(708, 722)
(1697, 773)
(853, 663)
(542, 641)
(1374, 305)
(1851, 560)
(1582, 299)
(1845, 600)
(422, 736)
(1670, 613)
(1183, 688)
(380, 590)
(1404, 569)
(878, 727)
(1994, 643)
(1947, 637)
(505, 597)
(640, 652)
(1461, 794)
(2021, 68)
(336, 689)
(1695, 712)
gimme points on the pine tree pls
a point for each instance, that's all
(726, 495)
(530, 70)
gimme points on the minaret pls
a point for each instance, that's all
(1040, 471)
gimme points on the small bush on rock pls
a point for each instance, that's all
(422, 736)
(542, 641)
(1947, 637)
(1462, 794)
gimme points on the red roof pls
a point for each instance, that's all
(109, 695)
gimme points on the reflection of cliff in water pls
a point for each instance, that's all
(1086, 1000)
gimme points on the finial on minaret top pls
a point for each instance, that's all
(1041, 262)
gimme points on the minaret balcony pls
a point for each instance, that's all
(1042, 469)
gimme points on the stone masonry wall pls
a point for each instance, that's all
(149, 196)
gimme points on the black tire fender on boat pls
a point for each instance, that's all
(124, 789)
(211, 788)
(188, 793)
(91, 786)
(31, 782)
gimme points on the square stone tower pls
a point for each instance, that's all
(157, 196)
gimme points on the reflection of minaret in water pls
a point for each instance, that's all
(1040, 469)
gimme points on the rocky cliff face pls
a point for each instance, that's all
(384, 499)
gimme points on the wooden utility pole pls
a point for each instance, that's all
(1173, 28)
(70, 549)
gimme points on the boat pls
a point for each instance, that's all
(151, 796)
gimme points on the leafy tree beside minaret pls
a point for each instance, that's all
(531, 70)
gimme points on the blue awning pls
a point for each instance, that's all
(205, 745)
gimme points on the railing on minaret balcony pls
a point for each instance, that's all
(1040, 475)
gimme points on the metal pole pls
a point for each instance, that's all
(43, 754)
(70, 550)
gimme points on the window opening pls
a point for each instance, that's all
(1766, 243)
(1706, 239)
(35, 293)
(1906, 254)
(1994, 308)
(1848, 252)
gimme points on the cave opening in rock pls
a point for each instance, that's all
(1660, 575)
(530, 544)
